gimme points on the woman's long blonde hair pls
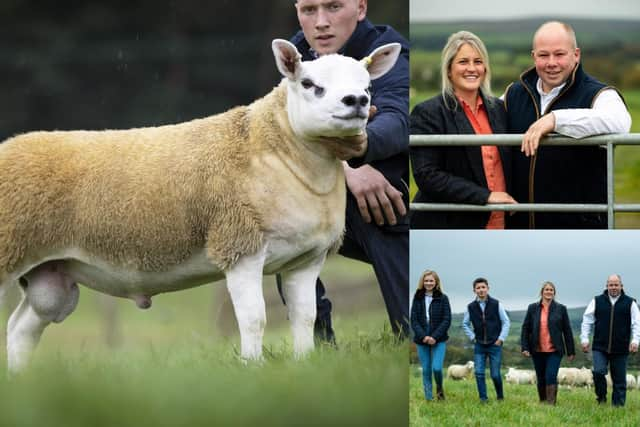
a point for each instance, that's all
(544, 285)
(436, 290)
(450, 50)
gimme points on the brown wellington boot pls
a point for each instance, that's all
(552, 392)
(439, 393)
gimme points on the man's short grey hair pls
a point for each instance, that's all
(617, 275)
(450, 50)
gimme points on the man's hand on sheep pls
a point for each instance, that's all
(347, 147)
(374, 195)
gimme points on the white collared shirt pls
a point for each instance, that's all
(608, 114)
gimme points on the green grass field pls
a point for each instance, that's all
(174, 366)
(520, 408)
(197, 383)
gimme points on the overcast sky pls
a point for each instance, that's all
(447, 10)
(516, 262)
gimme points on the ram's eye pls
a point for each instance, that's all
(307, 83)
(319, 91)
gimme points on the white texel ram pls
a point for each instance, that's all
(133, 213)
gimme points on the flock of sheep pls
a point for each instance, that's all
(571, 377)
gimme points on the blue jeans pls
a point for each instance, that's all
(480, 354)
(546, 366)
(431, 358)
(618, 366)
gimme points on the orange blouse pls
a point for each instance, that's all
(544, 343)
(491, 161)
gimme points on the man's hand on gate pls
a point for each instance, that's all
(539, 129)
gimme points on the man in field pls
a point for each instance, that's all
(376, 163)
(556, 95)
(487, 325)
(617, 333)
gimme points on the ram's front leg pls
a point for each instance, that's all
(300, 295)
(244, 282)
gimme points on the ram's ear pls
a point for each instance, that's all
(382, 60)
(287, 58)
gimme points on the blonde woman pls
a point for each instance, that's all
(430, 321)
(546, 337)
(476, 175)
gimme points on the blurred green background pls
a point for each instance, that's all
(610, 52)
(117, 64)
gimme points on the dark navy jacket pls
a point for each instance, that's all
(559, 174)
(487, 325)
(388, 130)
(559, 329)
(439, 317)
(612, 327)
(453, 174)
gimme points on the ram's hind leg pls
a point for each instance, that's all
(48, 295)
(244, 282)
(299, 293)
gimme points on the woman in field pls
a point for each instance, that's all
(430, 321)
(546, 337)
(476, 175)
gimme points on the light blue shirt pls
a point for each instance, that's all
(467, 327)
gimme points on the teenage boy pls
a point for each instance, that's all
(487, 325)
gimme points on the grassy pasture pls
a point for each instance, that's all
(196, 383)
(520, 408)
(174, 366)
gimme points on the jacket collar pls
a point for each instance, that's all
(356, 46)
(552, 305)
(464, 127)
(476, 300)
(529, 78)
(606, 293)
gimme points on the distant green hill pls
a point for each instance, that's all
(610, 49)
(591, 33)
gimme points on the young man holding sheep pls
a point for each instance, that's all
(376, 162)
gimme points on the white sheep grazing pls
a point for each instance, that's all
(460, 372)
(568, 376)
(520, 376)
(584, 378)
(631, 382)
(134, 213)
